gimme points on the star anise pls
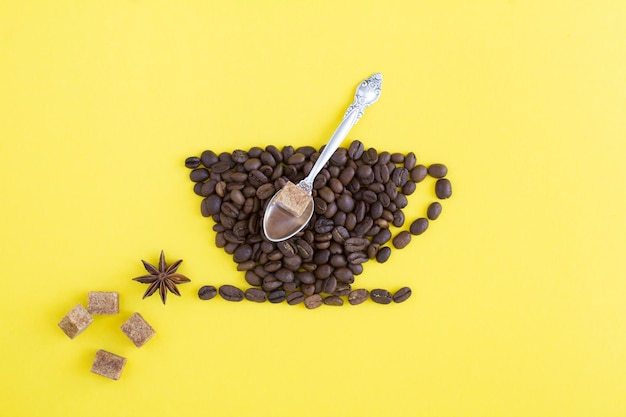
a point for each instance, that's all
(163, 278)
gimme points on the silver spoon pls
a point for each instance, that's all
(291, 208)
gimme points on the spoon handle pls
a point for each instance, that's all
(366, 94)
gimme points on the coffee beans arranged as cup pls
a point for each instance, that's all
(358, 196)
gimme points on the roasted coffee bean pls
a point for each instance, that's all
(246, 266)
(357, 269)
(272, 266)
(401, 295)
(437, 170)
(220, 188)
(356, 244)
(370, 156)
(401, 201)
(292, 263)
(346, 175)
(333, 300)
(295, 297)
(253, 279)
(199, 174)
(213, 204)
(230, 247)
(330, 285)
(443, 188)
(220, 167)
(376, 210)
(398, 218)
(277, 296)
(192, 162)
(323, 225)
(381, 173)
(357, 297)
(418, 173)
(305, 277)
(342, 289)
(345, 203)
(434, 210)
(243, 253)
(326, 194)
(364, 171)
(397, 158)
(355, 151)
(252, 164)
(419, 226)
(270, 283)
(400, 176)
(383, 254)
(304, 249)
(401, 240)
(237, 197)
(363, 227)
(409, 160)
(257, 178)
(339, 158)
(344, 275)
(284, 275)
(268, 159)
(255, 294)
(208, 158)
(372, 250)
(357, 258)
(231, 293)
(323, 271)
(287, 247)
(207, 292)
(338, 261)
(409, 188)
(381, 296)
(313, 301)
(238, 177)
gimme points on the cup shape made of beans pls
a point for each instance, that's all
(358, 195)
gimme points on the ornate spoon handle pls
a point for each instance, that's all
(367, 93)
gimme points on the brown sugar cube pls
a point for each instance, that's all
(76, 321)
(138, 330)
(108, 364)
(293, 199)
(103, 302)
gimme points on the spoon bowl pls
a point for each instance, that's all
(279, 224)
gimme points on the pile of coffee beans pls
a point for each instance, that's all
(358, 196)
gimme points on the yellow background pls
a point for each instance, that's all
(519, 305)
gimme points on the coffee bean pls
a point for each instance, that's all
(295, 297)
(242, 254)
(313, 301)
(419, 226)
(437, 170)
(400, 176)
(333, 300)
(330, 285)
(409, 188)
(370, 156)
(381, 296)
(192, 162)
(356, 244)
(199, 174)
(345, 203)
(220, 167)
(409, 161)
(346, 175)
(323, 225)
(208, 158)
(207, 292)
(383, 254)
(231, 293)
(398, 218)
(418, 173)
(443, 188)
(357, 297)
(401, 240)
(434, 210)
(355, 151)
(277, 296)
(255, 294)
(401, 295)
